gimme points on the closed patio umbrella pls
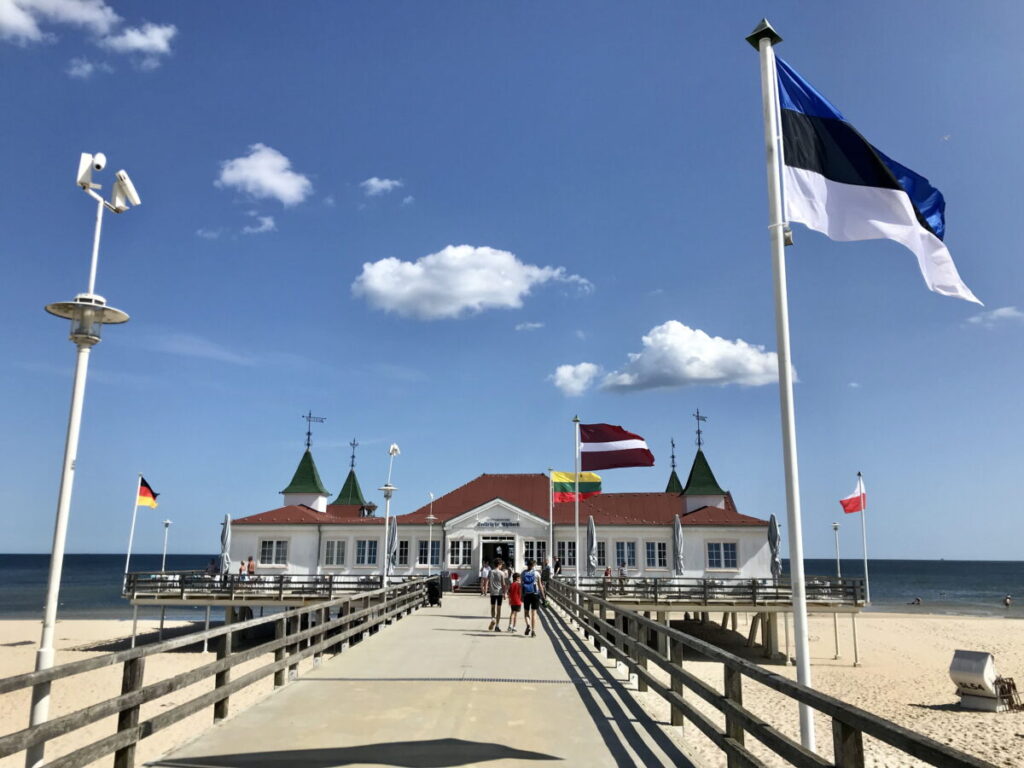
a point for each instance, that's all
(225, 545)
(591, 546)
(774, 540)
(677, 546)
(392, 554)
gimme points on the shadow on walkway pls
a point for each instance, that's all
(628, 716)
(439, 753)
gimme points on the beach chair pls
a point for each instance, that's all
(978, 685)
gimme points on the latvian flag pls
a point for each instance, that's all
(837, 183)
(147, 496)
(606, 446)
(563, 485)
(856, 501)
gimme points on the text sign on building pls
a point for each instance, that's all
(498, 524)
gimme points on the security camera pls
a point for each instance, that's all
(99, 160)
(85, 171)
(122, 193)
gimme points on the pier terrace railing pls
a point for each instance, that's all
(638, 643)
(299, 633)
(714, 592)
(198, 584)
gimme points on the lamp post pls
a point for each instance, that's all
(388, 489)
(430, 537)
(88, 312)
(839, 576)
(163, 559)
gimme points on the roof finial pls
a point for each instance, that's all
(673, 441)
(310, 420)
(700, 432)
(354, 444)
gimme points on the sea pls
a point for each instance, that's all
(91, 585)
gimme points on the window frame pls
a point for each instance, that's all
(276, 546)
(403, 552)
(340, 547)
(723, 563)
(365, 557)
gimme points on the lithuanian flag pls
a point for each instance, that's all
(147, 496)
(564, 485)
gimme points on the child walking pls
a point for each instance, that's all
(515, 601)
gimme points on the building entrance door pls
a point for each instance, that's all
(499, 549)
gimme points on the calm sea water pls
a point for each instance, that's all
(91, 585)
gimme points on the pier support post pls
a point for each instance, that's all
(856, 650)
(220, 707)
(752, 635)
(785, 625)
(835, 632)
(206, 628)
(131, 680)
(279, 632)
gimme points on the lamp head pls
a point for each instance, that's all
(88, 313)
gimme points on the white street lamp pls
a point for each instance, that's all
(431, 519)
(88, 313)
(163, 560)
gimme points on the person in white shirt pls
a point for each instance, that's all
(497, 586)
(485, 572)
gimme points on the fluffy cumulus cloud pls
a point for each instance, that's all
(994, 317)
(28, 21)
(457, 280)
(574, 380)
(265, 173)
(373, 187)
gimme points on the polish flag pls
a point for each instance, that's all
(856, 501)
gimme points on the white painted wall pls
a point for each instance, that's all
(314, 500)
(696, 502)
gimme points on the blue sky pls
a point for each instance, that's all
(309, 180)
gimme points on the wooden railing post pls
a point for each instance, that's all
(220, 707)
(279, 632)
(675, 649)
(131, 680)
(848, 745)
(734, 693)
(639, 635)
(293, 648)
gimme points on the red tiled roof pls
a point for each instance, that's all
(300, 513)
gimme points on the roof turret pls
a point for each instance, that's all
(350, 492)
(306, 479)
(701, 481)
(674, 485)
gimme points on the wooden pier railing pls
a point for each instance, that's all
(638, 643)
(184, 585)
(712, 592)
(299, 634)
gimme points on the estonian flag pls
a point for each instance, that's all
(835, 182)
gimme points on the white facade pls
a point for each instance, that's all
(500, 529)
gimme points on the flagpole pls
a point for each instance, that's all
(551, 516)
(763, 38)
(864, 534)
(131, 535)
(576, 430)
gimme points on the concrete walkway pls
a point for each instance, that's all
(436, 689)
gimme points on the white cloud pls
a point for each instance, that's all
(189, 345)
(266, 224)
(408, 200)
(208, 234)
(529, 326)
(574, 380)
(454, 281)
(675, 355)
(150, 40)
(20, 19)
(993, 316)
(81, 68)
(374, 187)
(263, 173)
(581, 334)
(329, 201)
(854, 385)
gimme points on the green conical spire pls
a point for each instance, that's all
(350, 492)
(674, 486)
(701, 481)
(306, 478)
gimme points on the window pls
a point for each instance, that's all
(625, 554)
(334, 552)
(403, 552)
(460, 552)
(722, 555)
(535, 550)
(366, 552)
(567, 552)
(273, 552)
(657, 554)
(602, 553)
(435, 547)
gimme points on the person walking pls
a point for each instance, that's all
(545, 573)
(497, 586)
(250, 568)
(485, 572)
(532, 588)
(558, 567)
(515, 601)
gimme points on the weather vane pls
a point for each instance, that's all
(673, 441)
(310, 421)
(354, 444)
(700, 432)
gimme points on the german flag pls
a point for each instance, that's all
(147, 496)
(564, 485)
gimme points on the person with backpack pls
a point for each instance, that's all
(533, 593)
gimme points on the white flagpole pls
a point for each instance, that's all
(763, 38)
(131, 535)
(864, 533)
(576, 429)
(551, 518)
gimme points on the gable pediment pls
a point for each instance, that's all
(496, 515)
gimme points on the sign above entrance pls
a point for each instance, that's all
(505, 523)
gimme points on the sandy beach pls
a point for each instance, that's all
(903, 677)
